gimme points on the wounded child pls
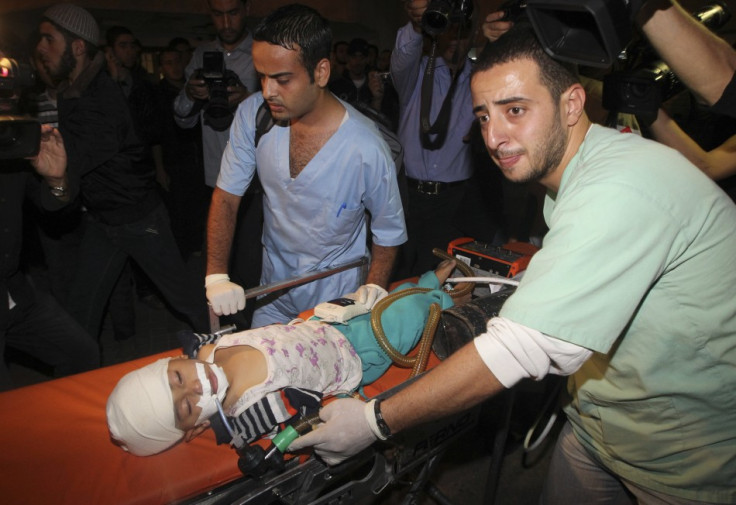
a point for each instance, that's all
(263, 376)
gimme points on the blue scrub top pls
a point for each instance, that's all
(318, 219)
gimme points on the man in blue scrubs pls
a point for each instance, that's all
(322, 166)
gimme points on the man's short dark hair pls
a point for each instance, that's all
(298, 25)
(114, 32)
(166, 50)
(178, 40)
(520, 42)
(244, 2)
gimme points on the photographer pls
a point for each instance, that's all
(234, 42)
(701, 59)
(705, 63)
(31, 320)
(194, 105)
(443, 203)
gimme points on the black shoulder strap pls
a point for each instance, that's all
(264, 121)
(383, 125)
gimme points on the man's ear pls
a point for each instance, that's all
(190, 434)
(322, 73)
(78, 47)
(573, 101)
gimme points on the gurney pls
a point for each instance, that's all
(56, 449)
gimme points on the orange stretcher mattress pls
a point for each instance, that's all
(55, 446)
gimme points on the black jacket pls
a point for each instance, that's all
(106, 159)
(17, 181)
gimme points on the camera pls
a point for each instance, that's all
(585, 32)
(513, 10)
(15, 76)
(646, 81)
(217, 78)
(19, 137)
(441, 14)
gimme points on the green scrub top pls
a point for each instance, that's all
(639, 265)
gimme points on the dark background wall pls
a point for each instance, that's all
(155, 22)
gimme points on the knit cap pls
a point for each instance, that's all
(75, 19)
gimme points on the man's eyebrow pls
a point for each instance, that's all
(503, 101)
(511, 99)
(275, 76)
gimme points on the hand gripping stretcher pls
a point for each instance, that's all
(55, 448)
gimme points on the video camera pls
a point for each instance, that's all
(217, 78)
(588, 32)
(441, 14)
(19, 137)
(596, 33)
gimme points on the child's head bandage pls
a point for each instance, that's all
(140, 411)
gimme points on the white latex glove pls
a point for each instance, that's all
(224, 296)
(368, 295)
(346, 430)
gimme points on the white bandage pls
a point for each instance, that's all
(140, 410)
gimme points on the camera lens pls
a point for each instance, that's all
(435, 22)
(436, 18)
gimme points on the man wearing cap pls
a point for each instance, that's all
(106, 169)
(31, 320)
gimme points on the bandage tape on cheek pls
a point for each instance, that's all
(203, 379)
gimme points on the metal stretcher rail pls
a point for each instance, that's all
(291, 282)
(311, 482)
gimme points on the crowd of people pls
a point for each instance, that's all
(266, 152)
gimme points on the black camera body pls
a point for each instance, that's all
(15, 76)
(217, 78)
(20, 137)
(441, 14)
(640, 91)
(513, 10)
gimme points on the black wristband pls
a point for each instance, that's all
(380, 421)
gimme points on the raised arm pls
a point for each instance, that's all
(717, 164)
(51, 164)
(701, 59)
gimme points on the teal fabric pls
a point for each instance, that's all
(403, 322)
(639, 266)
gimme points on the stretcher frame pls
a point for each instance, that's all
(366, 474)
